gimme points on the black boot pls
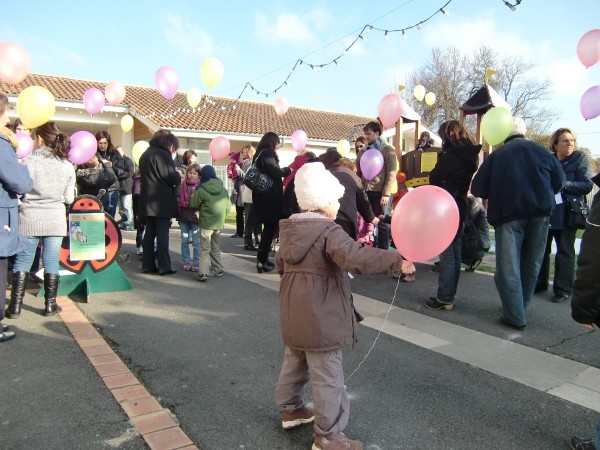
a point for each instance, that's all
(19, 284)
(50, 290)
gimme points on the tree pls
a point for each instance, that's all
(454, 77)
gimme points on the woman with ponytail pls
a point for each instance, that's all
(43, 214)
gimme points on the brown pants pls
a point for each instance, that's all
(330, 401)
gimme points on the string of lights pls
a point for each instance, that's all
(362, 36)
(511, 6)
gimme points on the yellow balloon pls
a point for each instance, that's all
(138, 149)
(419, 92)
(35, 106)
(430, 98)
(211, 72)
(343, 147)
(126, 123)
(193, 97)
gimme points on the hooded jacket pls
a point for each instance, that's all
(315, 301)
(385, 180)
(211, 200)
(585, 302)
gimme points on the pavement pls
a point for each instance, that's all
(176, 363)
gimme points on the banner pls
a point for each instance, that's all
(86, 236)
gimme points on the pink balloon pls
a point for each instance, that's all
(424, 223)
(371, 163)
(14, 63)
(219, 148)
(93, 100)
(166, 81)
(114, 92)
(390, 109)
(281, 106)
(299, 140)
(588, 48)
(83, 147)
(25, 146)
(590, 103)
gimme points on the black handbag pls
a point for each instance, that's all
(256, 180)
(577, 212)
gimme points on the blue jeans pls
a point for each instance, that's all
(190, 230)
(450, 263)
(110, 200)
(520, 248)
(50, 254)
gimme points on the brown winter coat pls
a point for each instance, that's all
(315, 306)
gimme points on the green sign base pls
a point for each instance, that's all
(88, 282)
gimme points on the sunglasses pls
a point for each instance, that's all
(360, 147)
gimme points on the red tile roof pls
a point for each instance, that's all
(213, 114)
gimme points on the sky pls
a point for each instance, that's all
(260, 41)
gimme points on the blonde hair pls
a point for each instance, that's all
(556, 136)
(251, 150)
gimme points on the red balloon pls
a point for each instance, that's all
(219, 148)
(390, 110)
(424, 223)
(114, 92)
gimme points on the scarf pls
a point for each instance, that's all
(10, 136)
(187, 190)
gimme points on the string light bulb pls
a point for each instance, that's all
(385, 36)
(444, 12)
(404, 36)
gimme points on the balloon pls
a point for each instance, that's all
(93, 100)
(343, 147)
(590, 103)
(219, 148)
(588, 48)
(83, 147)
(371, 163)
(114, 92)
(281, 106)
(166, 81)
(193, 97)
(211, 72)
(419, 92)
(35, 106)
(126, 123)
(424, 223)
(496, 125)
(430, 98)
(25, 146)
(14, 63)
(299, 140)
(138, 149)
(390, 109)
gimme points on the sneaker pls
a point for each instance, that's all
(195, 268)
(436, 267)
(434, 303)
(203, 277)
(339, 442)
(578, 443)
(293, 419)
(559, 298)
(187, 267)
(473, 266)
(140, 250)
(214, 273)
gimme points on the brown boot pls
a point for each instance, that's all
(339, 442)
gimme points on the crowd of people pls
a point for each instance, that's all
(329, 221)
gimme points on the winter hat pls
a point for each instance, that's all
(316, 188)
(207, 173)
(518, 128)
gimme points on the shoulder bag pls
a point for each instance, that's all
(577, 212)
(256, 180)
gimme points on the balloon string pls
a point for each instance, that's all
(378, 334)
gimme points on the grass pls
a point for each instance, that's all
(230, 217)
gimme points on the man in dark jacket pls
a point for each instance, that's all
(585, 302)
(520, 180)
(158, 200)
